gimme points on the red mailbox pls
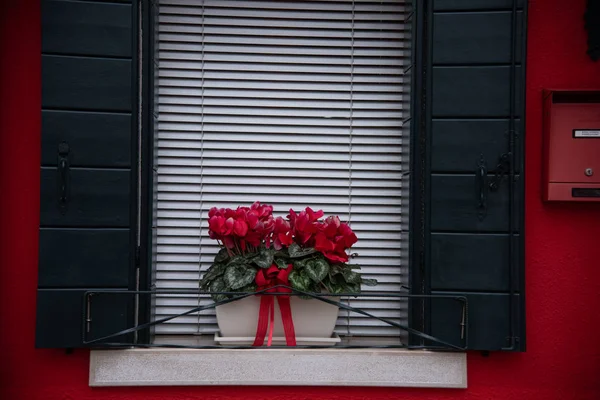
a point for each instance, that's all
(571, 132)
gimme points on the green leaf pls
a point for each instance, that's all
(211, 273)
(281, 264)
(222, 255)
(248, 288)
(335, 279)
(335, 269)
(218, 285)
(369, 282)
(237, 260)
(352, 266)
(299, 281)
(335, 276)
(351, 276)
(218, 297)
(238, 276)
(317, 270)
(353, 288)
(311, 289)
(300, 264)
(296, 251)
(328, 285)
(282, 253)
(264, 257)
(337, 289)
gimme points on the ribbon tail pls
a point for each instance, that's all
(286, 318)
(271, 321)
(263, 320)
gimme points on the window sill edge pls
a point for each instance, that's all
(295, 367)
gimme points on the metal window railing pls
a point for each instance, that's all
(436, 343)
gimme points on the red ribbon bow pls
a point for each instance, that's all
(267, 279)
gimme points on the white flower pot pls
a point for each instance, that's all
(313, 320)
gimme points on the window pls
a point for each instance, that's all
(294, 104)
(466, 158)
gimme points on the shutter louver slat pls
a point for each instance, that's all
(286, 103)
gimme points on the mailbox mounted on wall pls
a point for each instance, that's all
(571, 170)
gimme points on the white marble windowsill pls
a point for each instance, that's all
(290, 367)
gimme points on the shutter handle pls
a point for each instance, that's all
(482, 188)
(63, 176)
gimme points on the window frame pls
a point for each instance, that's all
(420, 186)
(421, 109)
(148, 172)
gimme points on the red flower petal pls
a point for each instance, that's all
(337, 257)
(228, 242)
(330, 230)
(252, 219)
(285, 238)
(229, 222)
(334, 219)
(313, 215)
(350, 240)
(323, 244)
(240, 228)
(216, 224)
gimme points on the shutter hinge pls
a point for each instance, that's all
(513, 342)
(463, 322)
(88, 319)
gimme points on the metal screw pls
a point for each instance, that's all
(589, 172)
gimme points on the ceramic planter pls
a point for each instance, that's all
(314, 321)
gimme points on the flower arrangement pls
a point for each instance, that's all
(312, 251)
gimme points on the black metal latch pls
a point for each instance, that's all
(63, 176)
(483, 187)
(502, 169)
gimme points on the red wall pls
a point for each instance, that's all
(563, 246)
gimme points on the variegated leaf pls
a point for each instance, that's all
(299, 281)
(369, 282)
(317, 270)
(264, 257)
(222, 255)
(238, 276)
(281, 264)
(296, 251)
(351, 276)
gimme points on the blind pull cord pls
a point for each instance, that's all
(198, 329)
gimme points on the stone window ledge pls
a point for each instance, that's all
(284, 367)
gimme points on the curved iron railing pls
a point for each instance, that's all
(324, 297)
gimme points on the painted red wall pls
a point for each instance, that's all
(563, 247)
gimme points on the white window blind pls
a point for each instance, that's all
(294, 104)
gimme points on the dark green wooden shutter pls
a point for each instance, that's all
(89, 112)
(472, 242)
